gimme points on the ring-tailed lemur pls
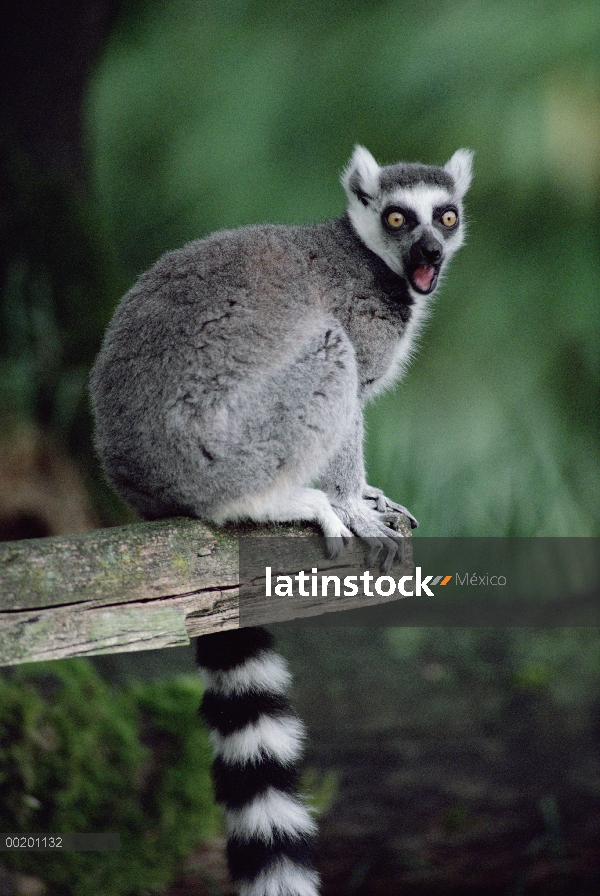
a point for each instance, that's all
(231, 384)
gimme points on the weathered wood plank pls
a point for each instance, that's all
(56, 633)
(118, 565)
(137, 587)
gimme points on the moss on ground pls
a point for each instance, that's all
(79, 756)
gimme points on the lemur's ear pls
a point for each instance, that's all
(460, 167)
(360, 178)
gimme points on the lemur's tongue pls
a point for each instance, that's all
(423, 276)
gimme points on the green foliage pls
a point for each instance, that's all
(58, 283)
(55, 292)
(320, 789)
(78, 756)
(207, 118)
(560, 665)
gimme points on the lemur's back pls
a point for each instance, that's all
(201, 298)
(193, 345)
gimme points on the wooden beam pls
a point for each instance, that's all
(136, 587)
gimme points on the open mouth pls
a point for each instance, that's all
(423, 277)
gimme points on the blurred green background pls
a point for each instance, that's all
(200, 116)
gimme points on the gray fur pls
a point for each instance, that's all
(403, 175)
(233, 375)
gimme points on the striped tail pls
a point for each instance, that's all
(257, 741)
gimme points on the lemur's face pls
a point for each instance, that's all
(409, 215)
(419, 230)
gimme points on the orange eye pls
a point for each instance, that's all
(449, 218)
(395, 220)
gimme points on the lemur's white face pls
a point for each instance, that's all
(409, 215)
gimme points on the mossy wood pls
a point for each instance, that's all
(136, 587)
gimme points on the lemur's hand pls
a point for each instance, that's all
(373, 527)
(384, 505)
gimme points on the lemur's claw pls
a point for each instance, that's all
(385, 505)
(335, 545)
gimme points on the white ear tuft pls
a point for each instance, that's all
(360, 178)
(460, 167)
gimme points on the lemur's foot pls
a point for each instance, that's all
(371, 526)
(384, 505)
